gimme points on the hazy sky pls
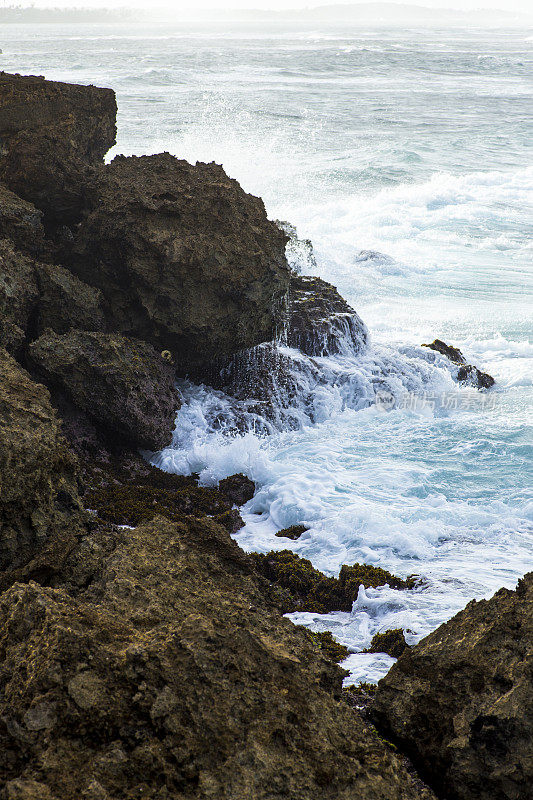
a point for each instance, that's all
(507, 5)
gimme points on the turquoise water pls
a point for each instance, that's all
(415, 147)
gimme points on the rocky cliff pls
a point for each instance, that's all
(142, 653)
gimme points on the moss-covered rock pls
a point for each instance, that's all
(293, 532)
(133, 503)
(391, 642)
(311, 590)
(329, 646)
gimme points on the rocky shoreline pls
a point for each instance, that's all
(142, 652)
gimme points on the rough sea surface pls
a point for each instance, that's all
(403, 155)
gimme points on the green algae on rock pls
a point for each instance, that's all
(311, 590)
(391, 642)
(293, 532)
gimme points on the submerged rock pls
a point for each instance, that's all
(466, 373)
(187, 260)
(123, 385)
(38, 476)
(460, 702)
(320, 321)
(168, 676)
(52, 135)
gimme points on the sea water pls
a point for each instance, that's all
(404, 156)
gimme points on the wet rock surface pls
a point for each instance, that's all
(52, 134)
(38, 475)
(187, 260)
(124, 386)
(391, 642)
(320, 322)
(467, 373)
(460, 703)
(238, 489)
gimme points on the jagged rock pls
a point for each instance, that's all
(20, 222)
(299, 252)
(238, 489)
(52, 134)
(168, 676)
(38, 476)
(311, 590)
(460, 703)
(187, 260)
(391, 642)
(320, 321)
(123, 385)
(18, 296)
(466, 373)
(66, 302)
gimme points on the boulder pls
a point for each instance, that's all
(320, 322)
(460, 702)
(187, 260)
(65, 302)
(237, 489)
(52, 134)
(18, 296)
(123, 385)
(467, 373)
(20, 222)
(38, 476)
(391, 642)
(168, 675)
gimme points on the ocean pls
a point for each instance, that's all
(404, 156)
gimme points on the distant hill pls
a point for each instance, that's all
(35, 15)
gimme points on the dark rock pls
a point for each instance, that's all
(52, 134)
(20, 222)
(123, 385)
(38, 476)
(187, 260)
(66, 302)
(320, 321)
(460, 702)
(168, 676)
(452, 353)
(238, 489)
(474, 377)
(466, 373)
(311, 590)
(18, 296)
(294, 532)
(391, 642)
